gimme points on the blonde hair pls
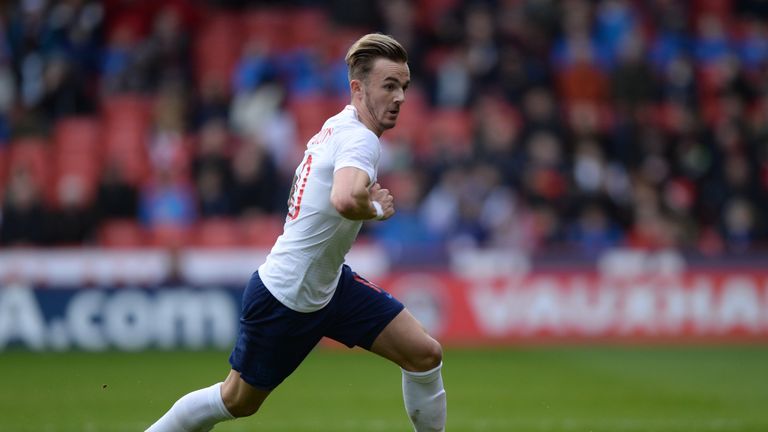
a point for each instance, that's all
(367, 49)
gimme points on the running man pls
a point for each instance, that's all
(304, 291)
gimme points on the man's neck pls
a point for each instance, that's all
(365, 118)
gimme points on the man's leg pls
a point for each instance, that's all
(200, 410)
(405, 342)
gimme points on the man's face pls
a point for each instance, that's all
(383, 93)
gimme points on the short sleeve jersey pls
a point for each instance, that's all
(304, 265)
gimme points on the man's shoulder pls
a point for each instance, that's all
(350, 132)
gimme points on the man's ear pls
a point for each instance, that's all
(356, 86)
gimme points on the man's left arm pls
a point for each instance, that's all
(351, 197)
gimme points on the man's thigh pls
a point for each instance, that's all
(405, 342)
(273, 339)
(360, 310)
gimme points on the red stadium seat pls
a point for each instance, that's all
(261, 231)
(217, 233)
(270, 26)
(430, 12)
(126, 126)
(33, 155)
(122, 233)
(78, 135)
(310, 113)
(77, 152)
(127, 111)
(169, 236)
(3, 171)
(338, 41)
(307, 27)
(85, 170)
(217, 48)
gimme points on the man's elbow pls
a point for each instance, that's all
(346, 206)
(350, 206)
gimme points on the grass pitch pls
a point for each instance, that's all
(598, 389)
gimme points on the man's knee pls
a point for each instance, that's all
(427, 357)
(241, 408)
(240, 399)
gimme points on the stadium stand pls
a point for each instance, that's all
(600, 124)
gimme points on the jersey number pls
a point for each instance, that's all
(297, 189)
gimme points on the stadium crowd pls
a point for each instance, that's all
(537, 125)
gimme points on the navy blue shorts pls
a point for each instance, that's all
(273, 339)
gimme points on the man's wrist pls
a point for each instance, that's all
(379, 210)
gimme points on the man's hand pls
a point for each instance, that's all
(385, 199)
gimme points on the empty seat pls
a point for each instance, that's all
(270, 26)
(122, 233)
(217, 48)
(77, 152)
(126, 110)
(33, 155)
(261, 231)
(78, 135)
(169, 236)
(217, 233)
(3, 170)
(310, 113)
(307, 27)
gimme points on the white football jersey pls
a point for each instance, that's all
(304, 265)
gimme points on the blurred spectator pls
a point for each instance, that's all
(453, 80)
(167, 200)
(711, 42)
(261, 114)
(256, 187)
(400, 20)
(740, 227)
(64, 91)
(7, 100)
(115, 197)
(616, 23)
(440, 207)
(753, 45)
(211, 169)
(576, 43)
(73, 222)
(496, 137)
(254, 68)
(164, 56)
(651, 230)
(480, 44)
(29, 37)
(213, 149)
(632, 81)
(593, 231)
(168, 142)
(678, 84)
(77, 27)
(546, 227)
(23, 217)
(543, 176)
(540, 113)
(212, 194)
(118, 63)
(211, 102)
